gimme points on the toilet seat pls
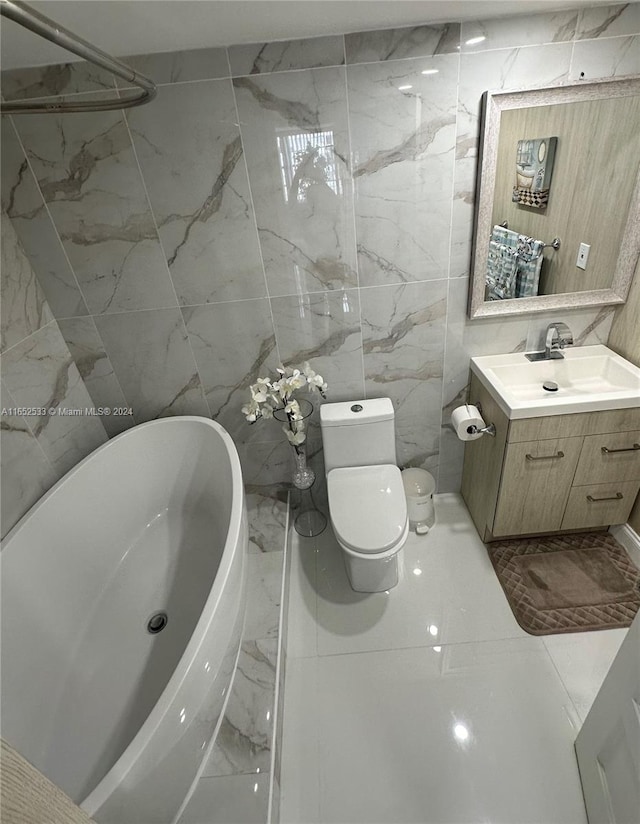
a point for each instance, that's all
(368, 508)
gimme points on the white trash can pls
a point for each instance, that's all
(419, 486)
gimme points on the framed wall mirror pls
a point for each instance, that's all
(557, 221)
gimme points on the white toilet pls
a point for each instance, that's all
(367, 502)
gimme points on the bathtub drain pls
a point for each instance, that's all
(157, 622)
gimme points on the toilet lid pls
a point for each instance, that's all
(368, 507)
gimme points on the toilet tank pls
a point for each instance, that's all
(358, 433)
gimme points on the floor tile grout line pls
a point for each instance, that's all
(442, 646)
(279, 663)
(564, 686)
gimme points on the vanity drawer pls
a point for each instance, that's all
(536, 479)
(605, 458)
(600, 504)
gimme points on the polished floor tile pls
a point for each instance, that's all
(302, 640)
(429, 703)
(447, 593)
(582, 660)
(463, 733)
(229, 799)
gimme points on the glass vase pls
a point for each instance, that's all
(303, 476)
(309, 521)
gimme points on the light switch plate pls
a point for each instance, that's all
(583, 255)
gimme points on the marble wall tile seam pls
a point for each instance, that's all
(453, 186)
(353, 201)
(193, 82)
(17, 426)
(536, 44)
(430, 281)
(461, 51)
(6, 351)
(351, 163)
(66, 96)
(24, 427)
(58, 377)
(148, 199)
(147, 309)
(45, 206)
(578, 36)
(159, 84)
(444, 414)
(310, 246)
(386, 44)
(229, 301)
(113, 371)
(607, 37)
(527, 46)
(170, 66)
(288, 71)
(23, 303)
(617, 10)
(175, 294)
(274, 56)
(253, 209)
(606, 58)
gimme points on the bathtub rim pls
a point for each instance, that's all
(125, 762)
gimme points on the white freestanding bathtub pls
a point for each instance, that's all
(151, 524)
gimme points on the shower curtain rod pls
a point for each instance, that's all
(25, 16)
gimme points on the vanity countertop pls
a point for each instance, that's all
(588, 379)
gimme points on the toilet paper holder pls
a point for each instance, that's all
(489, 429)
(486, 430)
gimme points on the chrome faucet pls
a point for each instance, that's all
(558, 335)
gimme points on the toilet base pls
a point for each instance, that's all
(367, 575)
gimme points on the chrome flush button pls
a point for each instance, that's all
(356, 407)
(550, 386)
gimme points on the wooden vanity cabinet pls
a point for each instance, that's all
(552, 474)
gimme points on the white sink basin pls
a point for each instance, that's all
(589, 379)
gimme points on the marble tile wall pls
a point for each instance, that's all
(301, 200)
(40, 380)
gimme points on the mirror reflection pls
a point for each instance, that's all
(565, 173)
(558, 198)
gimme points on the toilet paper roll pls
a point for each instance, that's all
(463, 419)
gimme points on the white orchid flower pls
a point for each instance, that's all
(316, 381)
(259, 391)
(291, 384)
(297, 380)
(295, 438)
(279, 390)
(269, 395)
(251, 411)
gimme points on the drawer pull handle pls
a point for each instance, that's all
(633, 448)
(617, 497)
(544, 457)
